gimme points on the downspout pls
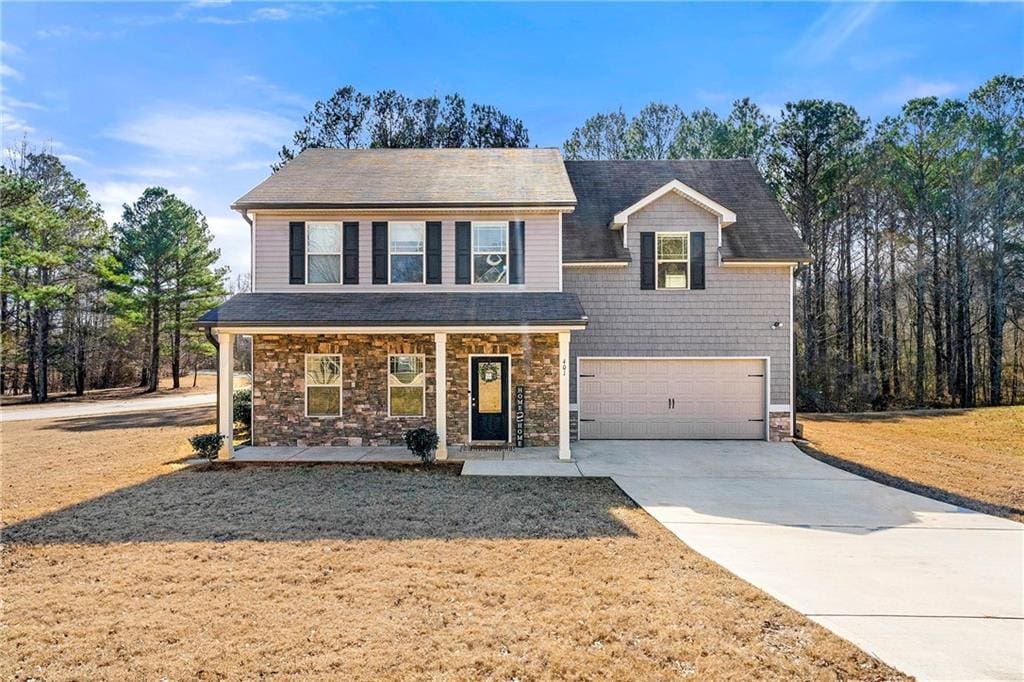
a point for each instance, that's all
(252, 249)
(216, 344)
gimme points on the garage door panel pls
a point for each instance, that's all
(631, 398)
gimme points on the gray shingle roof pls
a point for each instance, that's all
(372, 178)
(384, 309)
(603, 188)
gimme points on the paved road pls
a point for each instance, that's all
(934, 590)
(102, 407)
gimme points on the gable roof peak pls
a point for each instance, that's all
(725, 215)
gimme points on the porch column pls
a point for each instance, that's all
(563, 395)
(225, 384)
(441, 393)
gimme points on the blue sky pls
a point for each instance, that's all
(198, 96)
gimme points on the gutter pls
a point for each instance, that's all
(208, 325)
(418, 206)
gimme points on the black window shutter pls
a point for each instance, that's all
(516, 252)
(380, 253)
(696, 260)
(434, 253)
(351, 250)
(463, 252)
(646, 260)
(296, 253)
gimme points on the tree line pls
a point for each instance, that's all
(84, 304)
(915, 294)
(349, 119)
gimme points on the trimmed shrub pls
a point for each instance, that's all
(422, 442)
(207, 445)
(242, 406)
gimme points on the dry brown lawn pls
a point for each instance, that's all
(118, 566)
(972, 458)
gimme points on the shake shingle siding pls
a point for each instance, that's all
(733, 316)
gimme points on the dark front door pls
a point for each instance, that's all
(489, 399)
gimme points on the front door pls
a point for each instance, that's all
(489, 399)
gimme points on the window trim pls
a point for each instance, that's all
(306, 385)
(340, 253)
(422, 254)
(658, 260)
(423, 403)
(472, 252)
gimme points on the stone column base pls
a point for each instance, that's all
(779, 426)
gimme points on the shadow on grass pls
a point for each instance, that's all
(333, 502)
(189, 416)
(1006, 511)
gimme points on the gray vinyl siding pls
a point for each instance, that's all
(733, 316)
(270, 246)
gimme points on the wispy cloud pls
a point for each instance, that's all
(72, 158)
(835, 26)
(273, 94)
(8, 71)
(204, 134)
(113, 195)
(68, 31)
(912, 88)
(224, 13)
(9, 49)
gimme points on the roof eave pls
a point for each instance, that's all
(803, 260)
(298, 206)
(213, 324)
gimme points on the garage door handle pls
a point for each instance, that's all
(588, 420)
(756, 375)
(755, 420)
(587, 376)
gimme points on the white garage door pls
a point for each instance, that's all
(666, 398)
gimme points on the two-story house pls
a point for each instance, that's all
(508, 296)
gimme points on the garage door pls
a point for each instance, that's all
(664, 398)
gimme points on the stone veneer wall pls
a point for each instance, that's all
(534, 364)
(279, 389)
(779, 426)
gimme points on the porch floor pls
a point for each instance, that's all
(384, 454)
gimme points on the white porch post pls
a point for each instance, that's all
(441, 393)
(563, 395)
(225, 384)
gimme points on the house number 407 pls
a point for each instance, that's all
(565, 367)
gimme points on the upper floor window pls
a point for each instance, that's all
(490, 253)
(673, 260)
(406, 247)
(323, 253)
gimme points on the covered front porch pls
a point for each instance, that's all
(349, 389)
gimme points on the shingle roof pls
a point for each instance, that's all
(761, 231)
(371, 178)
(408, 309)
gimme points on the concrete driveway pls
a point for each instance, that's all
(932, 589)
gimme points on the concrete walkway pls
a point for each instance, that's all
(932, 589)
(388, 454)
(104, 407)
